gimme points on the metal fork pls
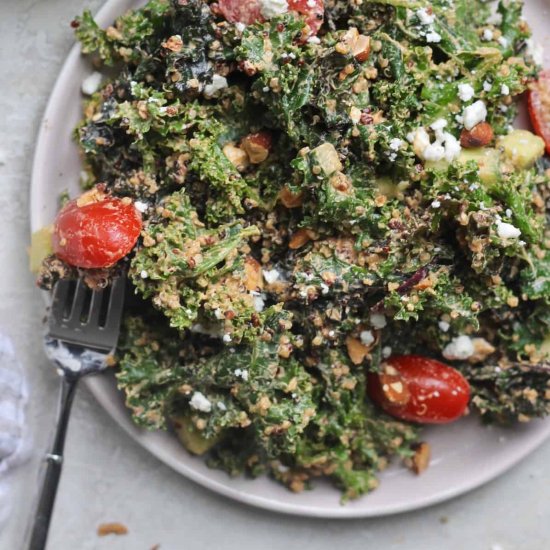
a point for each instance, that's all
(83, 329)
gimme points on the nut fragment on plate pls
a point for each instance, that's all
(356, 44)
(479, 136)
(257, 146)
(113, 528)
(421, 459)
(299, 239)
(237, 156)
(290, 199)
(357, 351)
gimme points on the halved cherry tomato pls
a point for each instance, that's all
(96, 232)
(250, 11)
(538, 100)
(418, 389)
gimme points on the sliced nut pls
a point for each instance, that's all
(421, 458)
(482, 350)
(237, 156)
(93, 195)
(174, 43)
(394, 388)
(257, 146)
(299, 239)
(253, 274)
(114, 528)
(290, 199)
(356, 44)
(357, 351)
(479, 136)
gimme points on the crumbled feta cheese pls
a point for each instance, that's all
(503, 41)
(436, 204)
(434, 152)
(200, 402)
(240, 26)
(311, 3)
(452, 147)
(487, 86)
(324, 288)
(433, 37)
(259, 303)
(439, 124)
(218, 313)
(221, 406)
(314, 40)
(495, 19)
(378, 320)
(141, 206)
(443, 326)
(218, 83)
(505, 90)
(487, 35)
(535, 50)
(465, 92)
(271, 276)
(459, 348)
(367, 337)
(90, 85)
(507, 230)
(226, 338)
(395, 144)
(474, 114)
(386, 352)
(425, 17)
(272, 8)
(144, 274)
(242, 373)
(509, 212)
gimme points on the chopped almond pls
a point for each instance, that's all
(111, 529)
(253, 274)
(257, 146)
(479, 136)
(290, 199)
(357, 351)
(421, 458)
(299, 239)
(237, 156)
(356, 44)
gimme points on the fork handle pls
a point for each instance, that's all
(54, 459)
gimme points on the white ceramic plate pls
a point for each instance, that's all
(465, 454)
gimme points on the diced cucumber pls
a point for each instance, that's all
(192, 438)
(41, 247)
(522, 148)
(488, 160)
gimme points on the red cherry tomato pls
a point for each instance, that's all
(418, 389)
(250, 11)
(96, 233)
(241, 11)
(312, 10)
(538, 100)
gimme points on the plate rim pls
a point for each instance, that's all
(98, 385)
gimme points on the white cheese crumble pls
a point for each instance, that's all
(505, 90)
(459, 348)
(226, 338)
(367, 337)
(503, 41)
(90, 85)
(487, 35)
(272, 8)
(242, 373)
(271, 276)
(386, 352)
(465, 92)
(141, 206)
(443, 326)
(314, 40)
(436, 204)
(535, 50)
(487, 86)
(240, 26)
(445, 146)
(433, 37)
(395, 144)
(259, 303)
(474, 114)
(494, 19)
(221, 406)
(218, 83)
(144, 274)
(507, 230)
(425, 17)
(378, 320)
(439, 124)
(200, 402)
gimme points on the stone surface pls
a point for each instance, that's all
(107, 477)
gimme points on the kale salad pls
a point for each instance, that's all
(332, 232)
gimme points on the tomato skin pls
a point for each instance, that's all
(96, 234)
(250, 11)
(434, 392)
(538, 100)
(241, 11)
(314, 15)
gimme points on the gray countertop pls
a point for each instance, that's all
(107, 477)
